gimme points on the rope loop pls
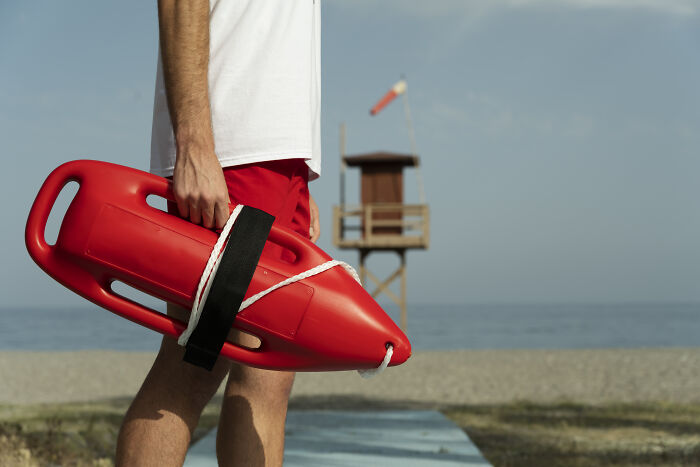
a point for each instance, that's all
(375, 371)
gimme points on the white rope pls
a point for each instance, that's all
(301, 276)
(213, 265)
(375, 371)
(210, 269)
(312, 272)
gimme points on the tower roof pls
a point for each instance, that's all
(381, 158)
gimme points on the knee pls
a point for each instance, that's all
(183, 384)
(193, 384)
(262, 385)
(281, 384)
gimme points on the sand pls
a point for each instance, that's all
(427, 379)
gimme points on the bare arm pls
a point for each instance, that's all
(198, 180)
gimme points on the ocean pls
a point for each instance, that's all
(430, 327)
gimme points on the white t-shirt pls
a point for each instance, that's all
(264, 85)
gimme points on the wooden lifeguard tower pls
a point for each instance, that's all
(381, 222)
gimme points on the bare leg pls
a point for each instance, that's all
(251, 425)
(157, 428)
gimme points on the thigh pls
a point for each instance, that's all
(271, 387)
(278, 188)
(191, 383)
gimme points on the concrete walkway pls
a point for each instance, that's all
(353, 438)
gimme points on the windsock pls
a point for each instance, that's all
(399, 88)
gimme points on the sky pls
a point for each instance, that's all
(559, 139)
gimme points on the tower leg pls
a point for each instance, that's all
(363, 268)
(383, 286)
(402, 305)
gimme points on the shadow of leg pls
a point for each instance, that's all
(253, 414)
(238, 443)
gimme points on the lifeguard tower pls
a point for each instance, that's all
(381, 223)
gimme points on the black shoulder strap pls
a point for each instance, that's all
(236, 269)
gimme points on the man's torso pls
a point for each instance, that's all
(264, 85)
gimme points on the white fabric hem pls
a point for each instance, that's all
(232, 161)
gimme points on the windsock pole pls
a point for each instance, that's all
(401, 88)
(342, 165)
(414, 149)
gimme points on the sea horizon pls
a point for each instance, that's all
(430, 326)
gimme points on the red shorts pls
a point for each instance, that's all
(278, 187)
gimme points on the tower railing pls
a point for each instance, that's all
(381, 226)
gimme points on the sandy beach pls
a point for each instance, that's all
(427, 379)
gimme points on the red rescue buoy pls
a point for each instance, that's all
(110, 233)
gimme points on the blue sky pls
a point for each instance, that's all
(559, 139)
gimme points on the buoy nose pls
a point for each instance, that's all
(345, 328)
(402, 349)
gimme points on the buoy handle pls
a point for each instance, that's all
(34, 234)
(307, 254)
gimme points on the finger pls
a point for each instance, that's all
(314, 230)
(317, 229)
(183, 208)
(181, 202)
(208, 215)
(195, 214)
(221, 214)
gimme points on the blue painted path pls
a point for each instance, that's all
(352, 438)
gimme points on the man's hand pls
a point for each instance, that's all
(200, 188)
(315, 225)
(198, 180)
